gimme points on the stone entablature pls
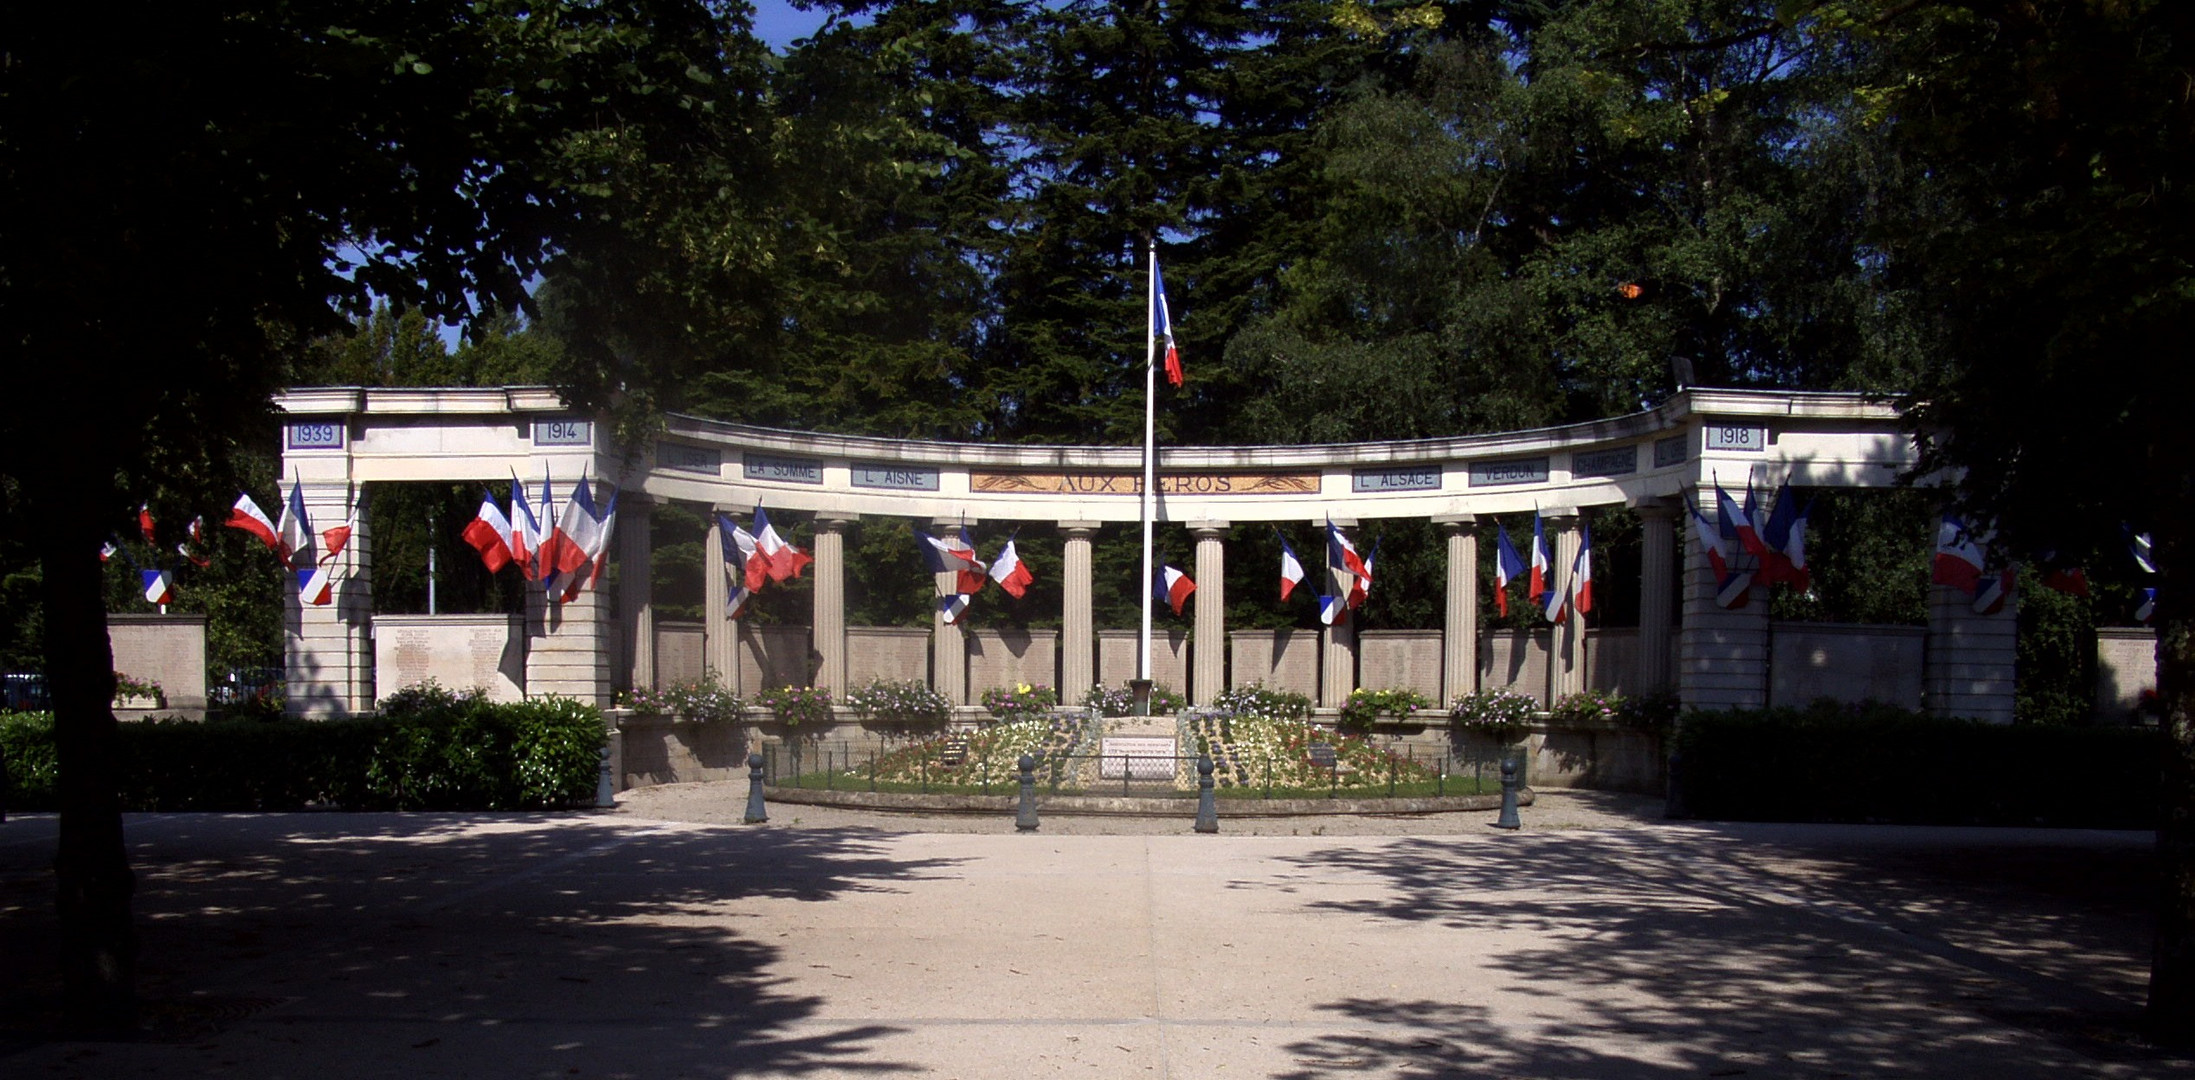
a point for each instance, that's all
(1815, 439)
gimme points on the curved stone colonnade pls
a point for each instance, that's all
(336, 439)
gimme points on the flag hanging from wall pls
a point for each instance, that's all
(1361, 588)
(294, 531)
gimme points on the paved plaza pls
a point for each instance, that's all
(661, 941)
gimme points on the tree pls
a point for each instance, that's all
(184, 190)
(2053, 142)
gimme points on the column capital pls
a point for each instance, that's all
(1081, 530)
(954, 522)
(1206, 530)
(835, 520)
(1654, 508)
(1560, 515)
(1456, 523)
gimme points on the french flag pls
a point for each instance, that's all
(1291, 568)
(956, 556)
(1731, 590)
(2148, 608)
(488, 533)
(1010, 572)
(2137, 545)
(1507, 566)
(107, 551)
(1958, 562)
(1784, 539)
(1172, 586)
(247, 515)
(782, 559)
(1341, 555)
(1164, 319)
(158, 590)
(2071, 580)
(295, 528)
(1990, 597)
(144, 520)
(1738, 523)
(1333, 610)
(316, 587)
(596, 549)
(578, 529)
(1542, 564)
(952, 606)
(1581, 571)
(524, 532)
(739, 547)
(1362, 587)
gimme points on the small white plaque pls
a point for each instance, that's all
(1136, 757)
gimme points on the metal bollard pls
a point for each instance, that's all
(1026, 820)
(605, 786)
(1508, 818)
(1207, 804)
(756, 815)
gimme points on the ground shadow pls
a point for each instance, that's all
(481, 944)
(1729, 951)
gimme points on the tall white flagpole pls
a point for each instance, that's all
(1150, 451)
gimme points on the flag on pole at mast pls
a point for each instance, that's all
(158, 590)
(739, 547)
(1164, 319)
(1507, 565)
(294, 530)
(1291, 568)
(1362, 586)
(525, 531)
(1172, 586)
(1958, 561)
(1543, 564)
(1010, 572)
(247, 515)
(1581, 571)
(489, 534)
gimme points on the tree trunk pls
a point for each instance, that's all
(95, 883)
(2172, 970)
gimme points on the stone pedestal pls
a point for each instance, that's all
(1279, 659)
(169, 650)
(328, 652)
(1722, 653)
(1971, 656)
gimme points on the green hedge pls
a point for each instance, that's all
(453, 753)
(1871, 763)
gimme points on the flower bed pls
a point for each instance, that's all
(986, 758)
(1261, 753)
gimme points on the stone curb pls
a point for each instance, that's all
(1118, 806)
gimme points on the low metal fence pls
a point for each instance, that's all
(24, 691)
(941, 767)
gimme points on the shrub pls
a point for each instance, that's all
(434, 750)
(126, 687)
(1024, 702)
(913, 702)
(703, 701)
(794, 706)
(1257, 699)
(1879, 763)
(1588, 708)
(1366, 706)
(1121, 701)
(1499, 714)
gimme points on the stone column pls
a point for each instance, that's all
(719, 631)
(1657, 564)
(328, 651)
(1460, 633)
(1077, 635)
(1722, 653)
(830, 599)
(1208, 652)
(636, 588)
(948, 646)
(1968, 669)
(568, 646)
(1338, 652)
(1566, 658)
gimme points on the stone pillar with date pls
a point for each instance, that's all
(328, 651)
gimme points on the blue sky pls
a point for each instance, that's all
(778, 22)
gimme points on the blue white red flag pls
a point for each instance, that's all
(2137, 545)
(952, 606)
(1581, 571)
(524, 535)
(144, 521)
(1737, 522)
(1783, 539)
(489, 534)
(738, 546)
(1732, 590)
(1989, 598)
(1362, 586)
(1010, 572)
(1333, 610)
(595, 549)
(294, 530)
(1163, 318)
(1507, 566)
(1542, 563)
(107, 550)
(1958, 561)
(1291, 568)
(781, 558)
(158, 590)
(2147, 610)
(316, 587)
(1172, 586)
(1341, 555)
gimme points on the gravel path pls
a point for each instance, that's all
(725, 803)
